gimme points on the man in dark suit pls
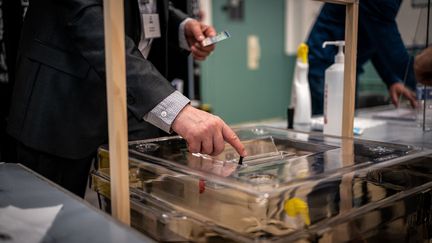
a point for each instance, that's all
(58, 113)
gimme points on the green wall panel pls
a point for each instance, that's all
(236, 93)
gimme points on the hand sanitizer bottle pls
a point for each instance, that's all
(300, 92)
(333, 92)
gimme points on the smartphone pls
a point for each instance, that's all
(219, 37)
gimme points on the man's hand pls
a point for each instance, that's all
(205, 133)
(423, 67)
(399, 89)
(196, 32)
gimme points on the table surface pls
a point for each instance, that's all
(77, 221)
(391, 131)
(395, 131)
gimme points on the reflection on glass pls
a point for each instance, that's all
(288, 190)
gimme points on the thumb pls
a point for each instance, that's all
(196, 30)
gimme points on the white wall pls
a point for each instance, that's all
(412, 24)
(300, 15)
(206, 7)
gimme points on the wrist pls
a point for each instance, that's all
(178, 121)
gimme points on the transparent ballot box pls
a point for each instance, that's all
(292, 187)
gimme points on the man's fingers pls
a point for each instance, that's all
(218, 144)
(231, 138)
(198, 52)
(194, 146)
(207, 145)
(198, 48)
(394, 97)
(197, 32)
(206, 49)
(208, 31)
(205, 132)
(197, 58)
(400, 90)
(413, 103)
(411, 97)
(199, 55)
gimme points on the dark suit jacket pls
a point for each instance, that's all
(59, 100)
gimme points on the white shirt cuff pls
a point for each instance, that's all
(163, 115)
(182, 38)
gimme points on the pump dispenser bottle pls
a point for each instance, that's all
(300, 92)
(333, 92)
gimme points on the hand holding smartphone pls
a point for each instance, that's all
(217, 38)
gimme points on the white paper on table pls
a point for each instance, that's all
(404, 114)
(360, 124)
(26, 225)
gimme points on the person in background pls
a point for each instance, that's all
(423, 66)
(59, 112)
(379, 41)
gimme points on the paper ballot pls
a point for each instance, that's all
(26, 225)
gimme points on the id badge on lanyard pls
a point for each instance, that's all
(151, 26)
(150, 19)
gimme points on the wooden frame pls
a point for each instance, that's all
(116, 96)
(117, 110)
(347, 146)
(351, 30)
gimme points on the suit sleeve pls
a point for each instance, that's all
(392, 62)
(146, 87)
(391, 58)
(176, 17)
